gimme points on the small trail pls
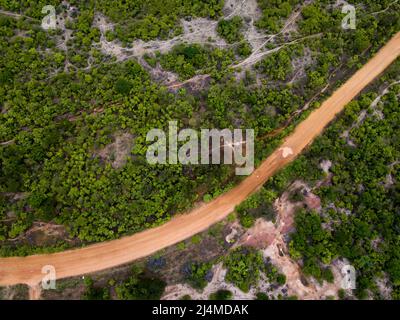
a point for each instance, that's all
(364, 113)
(195, 79)
(386, 9)
(269, 238)
(201, 31)
(257, 54)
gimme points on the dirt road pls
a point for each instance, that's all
(109, 254)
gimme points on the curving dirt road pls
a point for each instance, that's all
(105, 255)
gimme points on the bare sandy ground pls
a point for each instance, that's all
(270, 238)
(14, 270)
(175, 292)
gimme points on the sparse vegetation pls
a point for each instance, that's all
(230, 29)
(256, 206)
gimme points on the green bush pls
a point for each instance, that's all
(244, 266)
(221, 295)
(230, 29)
(197, 274)
(140, 287)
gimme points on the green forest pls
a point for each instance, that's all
(64, 102)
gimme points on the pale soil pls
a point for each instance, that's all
(105, 255)
(34, 292)
(198, 30)
(311, 291)
(326, 165)
(15, 15)
(389, 178)
(389, 181)
(218, 282)
(387, 8)
(66, 34)
(384, 287)
(249, 11)
(277, 251)
(60, 20)
(275, 247)
(18, 292)
(384, 92)
(261, 235)
(48, 229)
(268, 237)
(300, 64)
(271, 239)
(260, 52)
(234, 231)
(15, 196)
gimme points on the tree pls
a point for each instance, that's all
(94, 293)
(140, 287)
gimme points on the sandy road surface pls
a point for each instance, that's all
(109, 254)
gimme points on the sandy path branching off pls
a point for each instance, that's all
(203, 31)
(175, 292)
(197, 30)
(16, 15)
(14, 270)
